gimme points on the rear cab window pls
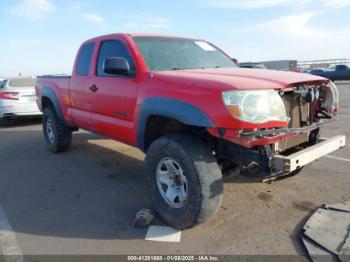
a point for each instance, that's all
(84, 60)
(113, 48)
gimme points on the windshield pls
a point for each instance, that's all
(162, 54)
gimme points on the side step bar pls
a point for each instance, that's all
(299, 159)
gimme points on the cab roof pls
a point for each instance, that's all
(137, 35)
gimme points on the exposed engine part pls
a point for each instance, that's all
(253, 168)
(255, 161)
(319, 98)
(329, 97)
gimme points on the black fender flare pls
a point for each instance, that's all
(172, 108)
(48, 92)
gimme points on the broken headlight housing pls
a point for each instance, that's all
(255, 106)
(330, 98)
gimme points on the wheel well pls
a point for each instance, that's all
(46, 102)
(158, 126)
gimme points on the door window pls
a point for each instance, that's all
(113, 48)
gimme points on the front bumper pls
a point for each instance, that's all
(251, 139)
(265, 165)
(287, 130)
(295, 161)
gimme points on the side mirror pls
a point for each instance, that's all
(116, 66)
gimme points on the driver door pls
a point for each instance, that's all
(113, 96)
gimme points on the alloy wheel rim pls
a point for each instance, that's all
(172, 183)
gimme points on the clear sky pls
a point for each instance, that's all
(42, 36)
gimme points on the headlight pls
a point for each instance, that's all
(255, 106)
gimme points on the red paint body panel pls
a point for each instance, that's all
(114, 109)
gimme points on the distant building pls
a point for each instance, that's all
(295, 65)
(288, 65)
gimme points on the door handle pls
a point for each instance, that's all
(93, 88)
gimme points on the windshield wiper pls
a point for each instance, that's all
(187, 68)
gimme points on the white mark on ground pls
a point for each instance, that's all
(8, 242)
(344, 115)
(163, 234)
(338, 158)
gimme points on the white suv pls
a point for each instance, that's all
(17, 98)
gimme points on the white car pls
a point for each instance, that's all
(17, 98)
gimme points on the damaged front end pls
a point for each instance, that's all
(278, 151)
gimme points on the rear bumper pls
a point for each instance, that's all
(295, 161)
(13, 112)
(21, 114)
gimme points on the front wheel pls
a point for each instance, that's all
(185, 180)
(58, 137)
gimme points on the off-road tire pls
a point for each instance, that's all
(204, 179)
(62, 134)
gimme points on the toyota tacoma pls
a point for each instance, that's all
(193, 112)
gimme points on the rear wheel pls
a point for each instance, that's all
(185, 180)
(58, 137)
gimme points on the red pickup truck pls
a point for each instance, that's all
(193, 112)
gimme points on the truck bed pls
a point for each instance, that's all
(57, 84)
(56, 81)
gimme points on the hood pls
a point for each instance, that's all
(240, 78)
